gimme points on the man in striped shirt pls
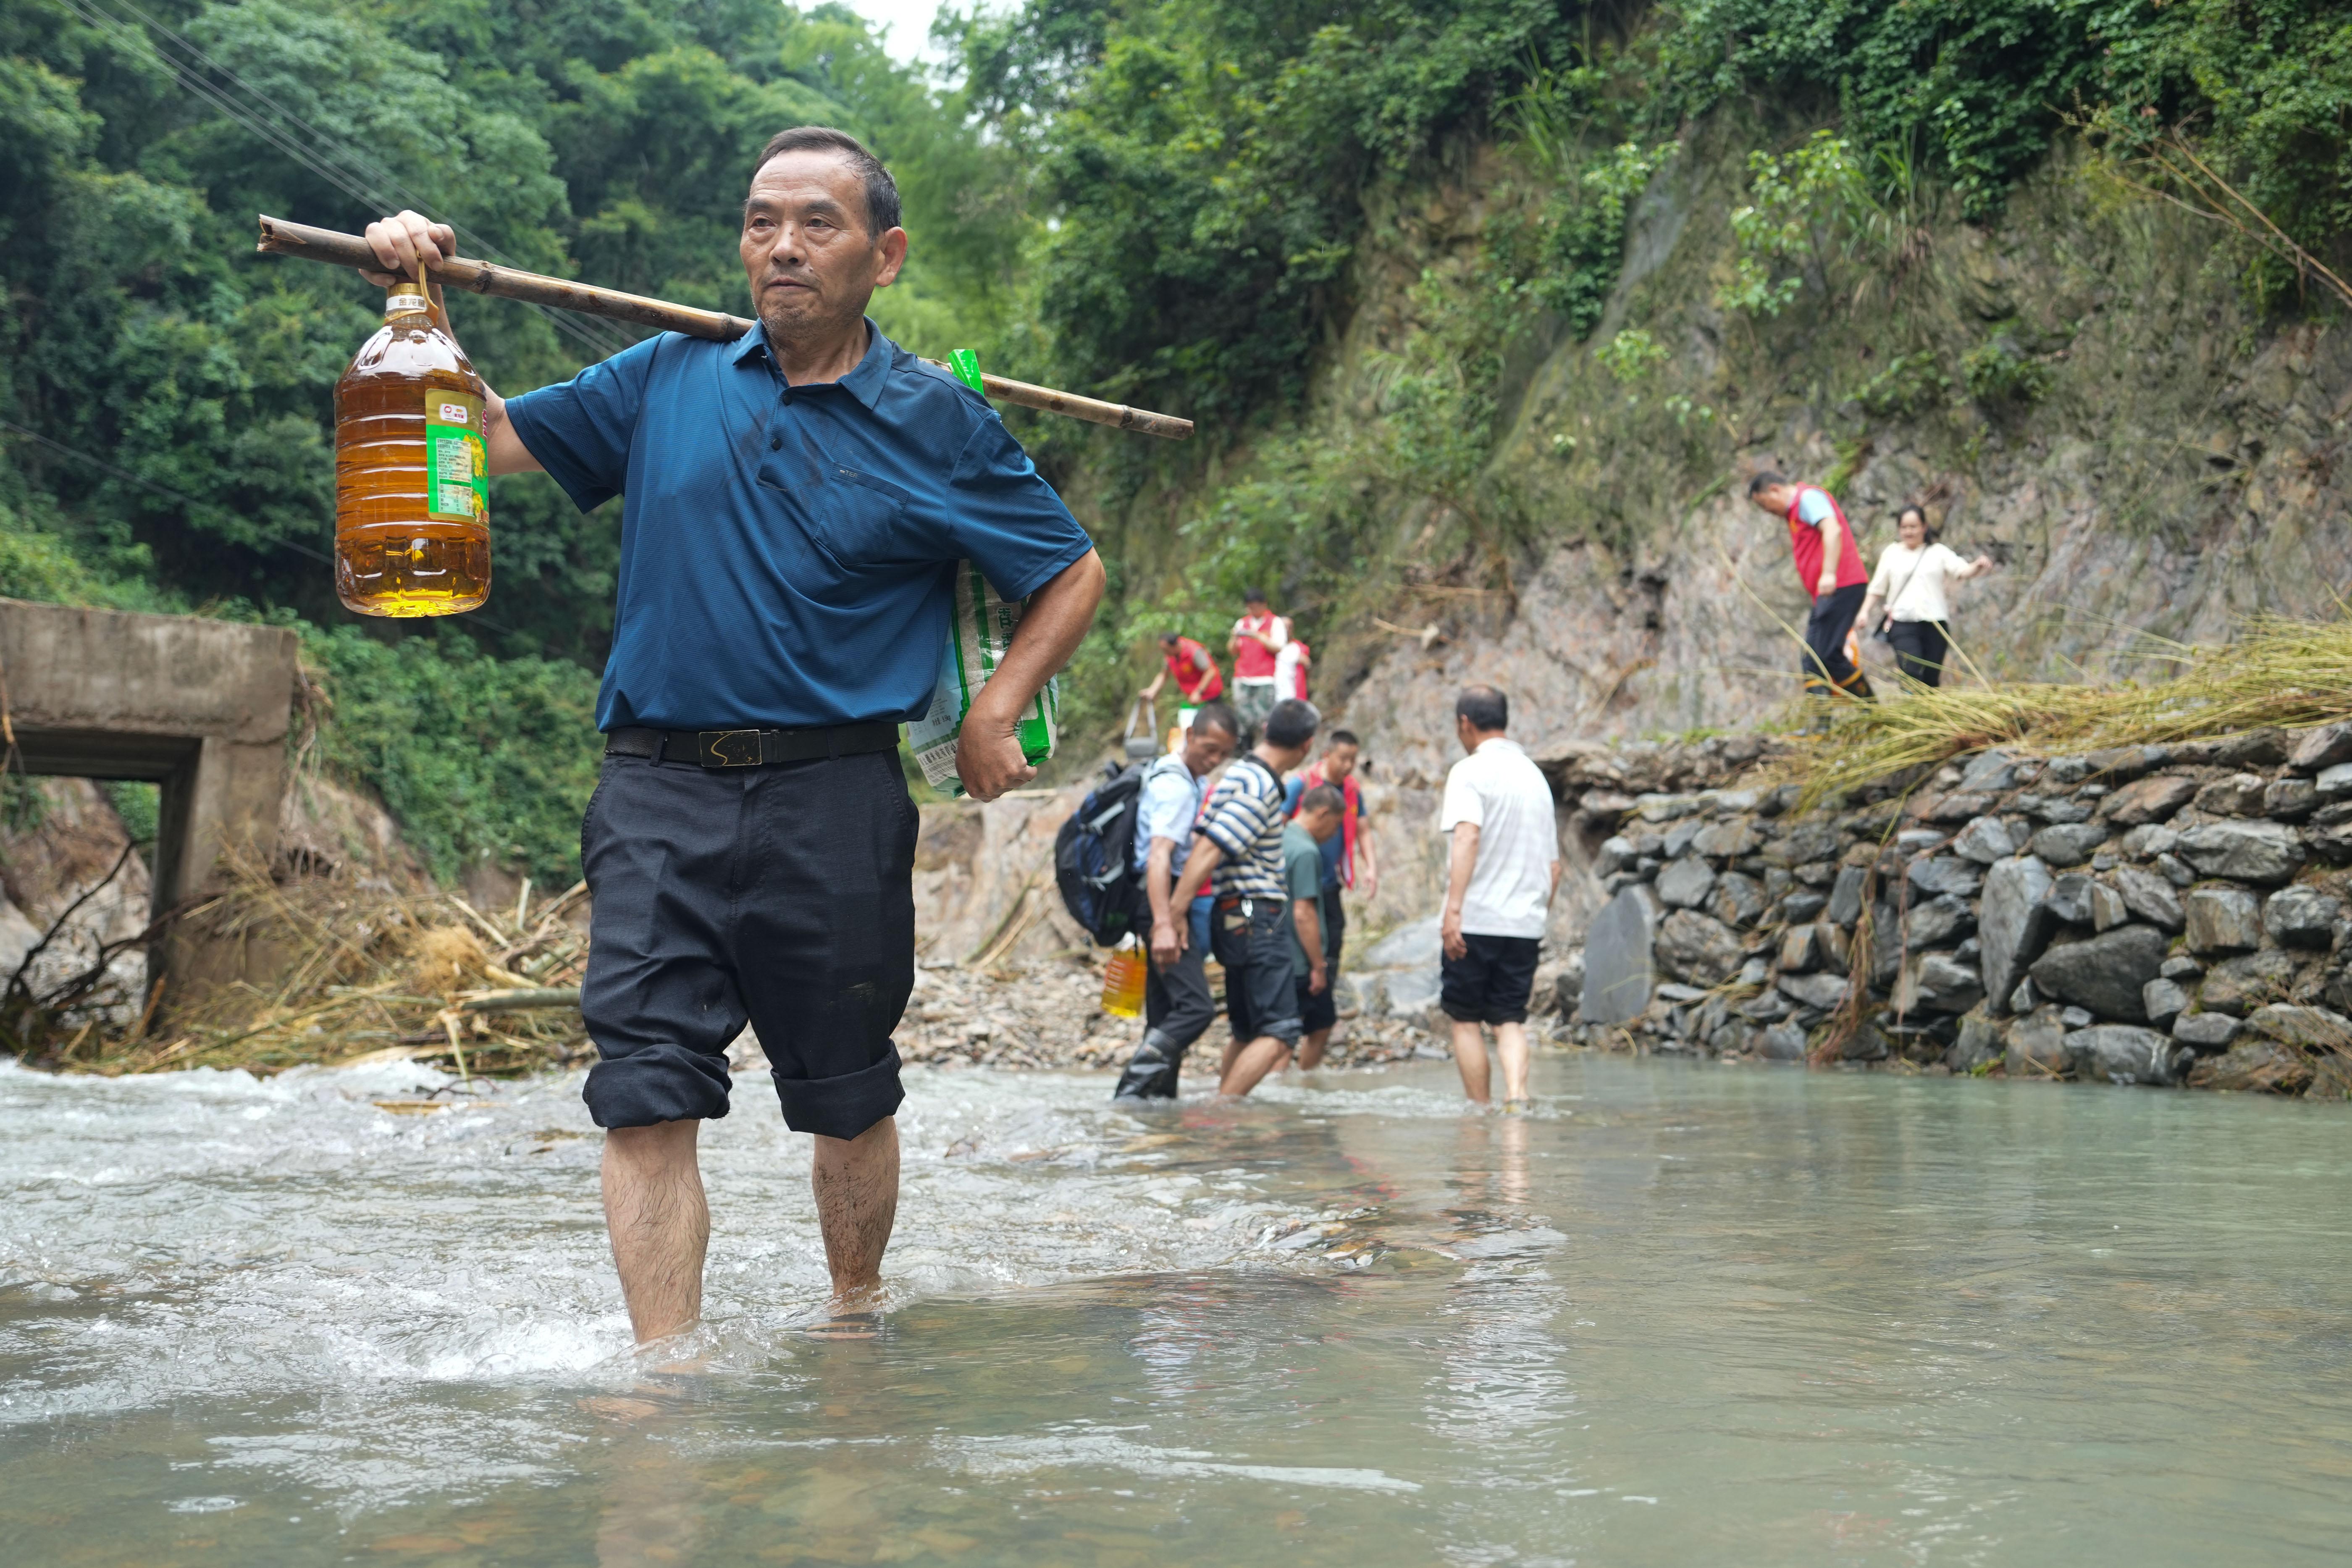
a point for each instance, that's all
(1238, 840)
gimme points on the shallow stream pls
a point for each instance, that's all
(1684, 1314)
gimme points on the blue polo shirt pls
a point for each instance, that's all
(787, 553)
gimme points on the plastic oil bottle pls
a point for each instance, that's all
(1122, 992)
(412, 472)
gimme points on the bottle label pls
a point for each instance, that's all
(403, 305)
(457, 463)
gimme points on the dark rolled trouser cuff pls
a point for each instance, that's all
(656, 1084)
(842, 1107)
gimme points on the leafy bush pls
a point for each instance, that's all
(2001, 374)
(1911, 384)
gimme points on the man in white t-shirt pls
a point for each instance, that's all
(1501, 873)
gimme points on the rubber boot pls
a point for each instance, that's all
(1151, 1072)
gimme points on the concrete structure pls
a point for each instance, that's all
(200, 707)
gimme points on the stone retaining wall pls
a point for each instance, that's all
(2153, 915)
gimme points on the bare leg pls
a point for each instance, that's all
(660, 1224)
(1470, 1056)
(1312, 1048)
(1261, 1057)
(1511, 1045)
(857, 1182)
(1225, 1062)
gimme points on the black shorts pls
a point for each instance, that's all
(1317, 1010)
(782, 895)
(1491, 982)
(1260, 999)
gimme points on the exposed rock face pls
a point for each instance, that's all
(1697, 948)
(2150, 897)
(1617, 975)
(2260, 852)
(2118, 1053)
(2238, 985)
(2301, 917)
(2014, 920)
(1686, 884)
(2149, 800)
(2105, 974)
(2222, 919)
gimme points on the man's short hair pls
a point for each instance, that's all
(1486, 709)
(1324, 797)
(1169, 640)
(882, 208)
(1340, 738)
(1765, 481)
(1293, 723)
(1218, 716)
(1254, 596)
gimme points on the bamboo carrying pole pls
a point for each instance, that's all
(279, 237)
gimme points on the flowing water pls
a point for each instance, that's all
(1682, 1314)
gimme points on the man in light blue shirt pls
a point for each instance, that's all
(1177, 1007)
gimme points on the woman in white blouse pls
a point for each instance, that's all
(1911, 586)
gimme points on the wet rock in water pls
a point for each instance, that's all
(2036, 1045)
(2253, 1066)
(2104, 973)
(2121, 1053)
(2069, 843)
(2321, 748)
(2261, 852)
(2238, 985)
(1939, 983)
(2302, 916)
(1697, 948)
(2240, 794)
(2311, 1029)
(1985, 840)
(2070, 898)
(2222, 919)
(2290, 800)
(1726, 840)
(2206, 1031)
(2150, 897)
(1738, 900)
(1686, 883)
(1845, 897)
(1618, 976)
(1819, 991)
(1980, 1045)
(2163, 1001)
(2147, 800)
(2013, 921)
(1946, 874)
(1938, 922)
(1783, 1043)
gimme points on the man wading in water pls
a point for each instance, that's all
(796, 501)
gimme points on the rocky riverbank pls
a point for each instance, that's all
(2167, 915)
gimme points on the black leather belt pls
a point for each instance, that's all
(753, 748)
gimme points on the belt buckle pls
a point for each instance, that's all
(727, 748)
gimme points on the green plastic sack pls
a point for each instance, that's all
(980, 629)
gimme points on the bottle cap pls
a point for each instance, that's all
(409, 303)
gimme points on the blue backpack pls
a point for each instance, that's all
(1094, 857)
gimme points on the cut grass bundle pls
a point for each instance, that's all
(2291, 674)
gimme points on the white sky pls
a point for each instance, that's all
(909, 24)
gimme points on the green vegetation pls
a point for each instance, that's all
(1181, 206)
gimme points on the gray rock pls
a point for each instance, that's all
(1817, 873)
(2163, 1001)
(2069, 769)
(2107, 908)
(2240, 794)
(2150, 897)
(2260, 1066)
(2244, 851)
(1990, 773)
(1408, 991)
(2120, 764)
(2263, 748)
(2076, 1018)
(1726, 840)
(1941, 922)
(1984, 841)
(1803, 906)
(2119, 1053)
(1979, 1044)
(1801, 949)
(1415, 946)
(2302, 916)
(1821, 991)
(2147, 800)
(2322, 748)
(1680, 837)
(2104, 973)
(2334, 784)
(1946, 874)
(1846, 898)
(2069, 843)
(2152, 839)
(2239, 985)
(2014, 920)
(2332, 844)
(2182, 967)
(2222, 919)
(2070, 899)
(1805, 843)
(1755, 970)
(2206, 1031)
(1912, 840)
(2022, 1000)
(1939, 982)
(1616, 854)
(1738, 900)
(2289, 800)
(1764, 1007)
(2036, 1047)
(1618, 975)
(1696, 948)
(2310, 1028)
(1784, 1042)
(2176, 870)
(1686, 883)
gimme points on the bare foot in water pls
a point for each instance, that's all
(850, 1315)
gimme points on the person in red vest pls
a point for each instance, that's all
(1258, 639)
(1829, 564)
(1192, 668)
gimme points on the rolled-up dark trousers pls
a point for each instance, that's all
(782, 895)
(1826, 664)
